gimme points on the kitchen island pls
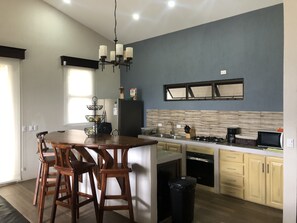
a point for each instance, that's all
(142, 157)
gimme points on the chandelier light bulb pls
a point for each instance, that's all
(118, 57)
(112, 55)
(119, 49)
(171, 4)
(135, 16)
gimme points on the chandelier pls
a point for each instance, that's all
(119, 56)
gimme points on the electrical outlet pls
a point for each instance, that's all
(223, 72)
(35, 127)
(30, 128)
(178, 126)
(160, 125)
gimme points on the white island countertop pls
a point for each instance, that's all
(164, 156)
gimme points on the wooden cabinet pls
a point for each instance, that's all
(174, 147)
(274, 182)
(232, 173)
(255, 178)
(161, 145)
(200, 149)
(264, 180)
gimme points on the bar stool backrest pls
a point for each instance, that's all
(63, 157)
(113, 155)
(41, 145)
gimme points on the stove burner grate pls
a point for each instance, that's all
(208, 139)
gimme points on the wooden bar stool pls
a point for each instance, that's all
(45, 154)
(67, 165)
(46, 176)
(115, 164)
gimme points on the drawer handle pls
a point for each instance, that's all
(232, 157)
(231, 168)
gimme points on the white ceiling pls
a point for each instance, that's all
(156, 18)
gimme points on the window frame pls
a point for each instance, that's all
(215, 95)
(68, 97)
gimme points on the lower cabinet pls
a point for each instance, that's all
(264, 180)
(252, 177)
(166, 172)
(232, 173)
(274, 182)
(174, 147)
(255, 186)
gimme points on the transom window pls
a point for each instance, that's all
(210, 90)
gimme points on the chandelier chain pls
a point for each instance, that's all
(115, 21)
(118, 56)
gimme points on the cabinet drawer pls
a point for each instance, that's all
(161, 145)
(232, 180)
(174, 147)
(232, 191)
(231, 168)
(231, 156)
(199, 149)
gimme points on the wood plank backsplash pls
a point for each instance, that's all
(214, 123)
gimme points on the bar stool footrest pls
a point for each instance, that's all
(116, 207)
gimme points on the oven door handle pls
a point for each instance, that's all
(198, 159)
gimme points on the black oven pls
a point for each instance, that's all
(201, 166)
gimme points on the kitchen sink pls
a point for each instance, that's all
(168, 136)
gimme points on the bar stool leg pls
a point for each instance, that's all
(56, 196)
(129, 197)
(74, 198)
(94, 195)
(102, 196)
(42, 193)
(37, 184)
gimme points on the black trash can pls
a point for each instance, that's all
(182, 193)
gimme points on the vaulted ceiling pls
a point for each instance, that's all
(155, 16)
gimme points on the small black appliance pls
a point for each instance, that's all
(231, 132)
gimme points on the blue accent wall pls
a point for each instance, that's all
(248, 46)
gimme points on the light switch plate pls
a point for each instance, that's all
(290, 143)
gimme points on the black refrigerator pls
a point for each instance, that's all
(125, 116)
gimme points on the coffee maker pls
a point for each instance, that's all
(231, 132)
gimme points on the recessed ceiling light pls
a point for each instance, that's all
(171, 4)
(67, 1)
(135, 16)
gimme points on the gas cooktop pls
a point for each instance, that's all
(211, 139)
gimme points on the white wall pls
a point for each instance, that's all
(47, 34)
(290, 110)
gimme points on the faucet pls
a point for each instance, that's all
(172, 132)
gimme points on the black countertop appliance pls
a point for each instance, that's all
(231, 132)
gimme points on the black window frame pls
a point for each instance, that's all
(215, 94)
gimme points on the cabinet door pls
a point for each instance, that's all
(255, 178)
(174, 147)
(274, 181)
